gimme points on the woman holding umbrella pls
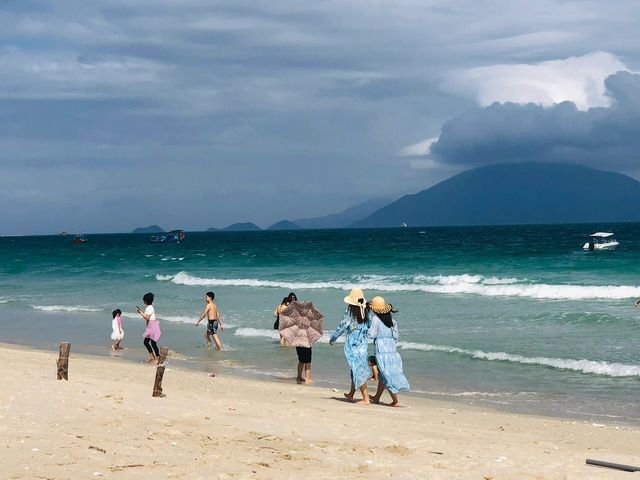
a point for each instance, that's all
(301, 325)
(384, 330)
(356, 325)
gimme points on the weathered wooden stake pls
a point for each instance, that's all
(164, 353)
(63, 361)
(157, 385)
(615, 466)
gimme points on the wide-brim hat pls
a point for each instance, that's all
(378, 305)
(355, 297)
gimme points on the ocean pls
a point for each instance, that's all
(519, 318)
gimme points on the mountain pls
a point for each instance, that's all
(149, 229)
(242, 227)
(524, 193)
(344, 218)
(284, 225)
(212, 229)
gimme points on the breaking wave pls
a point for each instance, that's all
(259, 332)
(441, 284)
(64, 308)
(584, 366)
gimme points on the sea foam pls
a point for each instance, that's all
(440, 284)
(65, 308)
(583, 365)
(260, 332)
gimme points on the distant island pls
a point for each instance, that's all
(284, 225)
(519, 193)
(499, 194)
(242, 227)
(149, 229)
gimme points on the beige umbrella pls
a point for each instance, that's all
(301, 324)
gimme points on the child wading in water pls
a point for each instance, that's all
(116, 325)
(213, 320)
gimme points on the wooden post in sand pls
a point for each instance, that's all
(164, 353)
(615, 466)
(157, 385)
(63, 361)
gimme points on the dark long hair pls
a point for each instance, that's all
(356, 313)
(386, 319)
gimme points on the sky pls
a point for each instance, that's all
(200, 113)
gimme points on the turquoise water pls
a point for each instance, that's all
(516, 317)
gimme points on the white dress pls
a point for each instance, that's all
(115, 334)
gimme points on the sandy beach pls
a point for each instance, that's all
(104, 423)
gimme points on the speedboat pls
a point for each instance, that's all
(157, 238)
(601, 241)
(79, 239)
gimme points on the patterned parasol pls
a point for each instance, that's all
(301, 324)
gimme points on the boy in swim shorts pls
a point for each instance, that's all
(213, 321)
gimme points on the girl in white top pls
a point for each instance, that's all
(117, 333)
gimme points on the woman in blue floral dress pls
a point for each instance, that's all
(356, 325)
(384, 330)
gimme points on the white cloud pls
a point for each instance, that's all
(577, 79)
(420, 149)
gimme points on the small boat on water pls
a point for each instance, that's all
(174, 236)
(157, 238)
(79, 239)
(601, 241)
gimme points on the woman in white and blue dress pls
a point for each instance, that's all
(355, 324)
(383, 329)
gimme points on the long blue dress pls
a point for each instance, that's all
(355, 347)
(387, 357)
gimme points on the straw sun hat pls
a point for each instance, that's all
(353, 297)
(378, 305)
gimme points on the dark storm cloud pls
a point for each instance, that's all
(197, 113)
(599, 137)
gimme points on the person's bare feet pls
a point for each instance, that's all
(374, 399)
(308, 382)
(364, 401)
(151, 360)
(299, 380)
(395, 404)
(348, 396)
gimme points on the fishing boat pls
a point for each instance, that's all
(601, 241)
(174, 236)
(79, 239)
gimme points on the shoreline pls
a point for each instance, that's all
(137, 355)
(105, 423)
